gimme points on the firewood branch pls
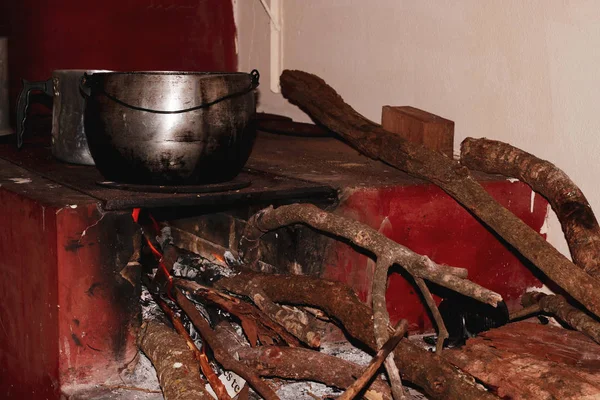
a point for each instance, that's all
(242, 310)
(381, 322)
(375, 364)
(200, 357)
(429, 371)
(558, 306)
(302, 364)
(221, 354)
(435, 312)
(323, 104)
(176, 367)
(575, 214)
(365, 237)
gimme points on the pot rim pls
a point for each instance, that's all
(160, 73)
(82, 70)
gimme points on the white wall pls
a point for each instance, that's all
(521, 71)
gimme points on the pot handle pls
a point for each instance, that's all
(87, 82)
(23, 103)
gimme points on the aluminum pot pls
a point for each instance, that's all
(69, 143)
(170, 128)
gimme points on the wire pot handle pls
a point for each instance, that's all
(86, 84)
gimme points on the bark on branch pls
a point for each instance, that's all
(428, 370)
(376, 362)
(221, 354)
(558, 306)
(176, 367)
(322, 103)
(576, 217)
(301, 364)
(365, 237)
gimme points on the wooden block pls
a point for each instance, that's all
(418, 126)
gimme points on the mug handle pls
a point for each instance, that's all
(23, 103)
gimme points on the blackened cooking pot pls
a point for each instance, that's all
(170, 128)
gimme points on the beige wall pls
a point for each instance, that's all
(522, 71)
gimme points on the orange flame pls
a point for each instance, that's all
(135, 214)
(218, 257)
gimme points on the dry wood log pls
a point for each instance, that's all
(323, 104)
(242, 310)
(221, 353)
(364, 237)
(376, 362)
(526, 361)
(558, 306)
(575, 214)
(200, 357)
(204, 329)
(387, 253)
(286, 318)
(426, 370)
(176, 367)
(305, 364)
(301, 364)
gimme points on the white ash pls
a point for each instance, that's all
(306, 391)
(184, 271)
(195, 267)
(143, 375)
(165, 236)
(150, 310)
(346, 351)
(231, 260)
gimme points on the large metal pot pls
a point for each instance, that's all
(69, 143)
(170, 128)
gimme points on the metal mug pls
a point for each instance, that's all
(69, 142)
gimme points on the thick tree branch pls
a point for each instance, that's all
(301, 364)
(176, 367)
(322, 103)
(429, 371)
(200, 357)
(221, 354)
(363, 236)
(576, 217)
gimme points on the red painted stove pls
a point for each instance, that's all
(69, 319)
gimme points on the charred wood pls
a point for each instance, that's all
(247, 313)
(200, 357)
(221, 354)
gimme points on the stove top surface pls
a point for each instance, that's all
(280, 168)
